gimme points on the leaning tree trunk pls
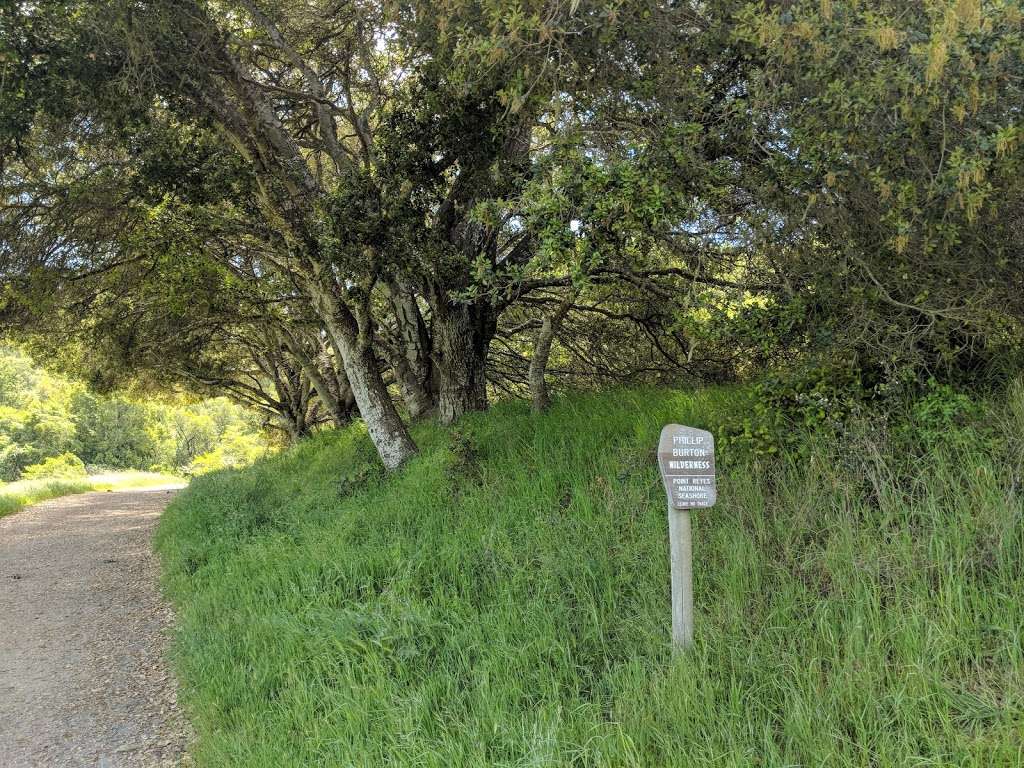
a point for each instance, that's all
(290, 401)
(411, 360)
(415, 394)
(462, 337)
(293, 401)
(339, 413)
(339, 381)
(542, 353)
(386, 429)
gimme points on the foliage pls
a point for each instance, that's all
(892, 189)
(67, 465)
(943, 415)
(829, 401)
(45, 416)
(235, 448)
(320, 214)
(35, 415)
(114, 432)
(790, 403)
(424, 173)
(848, 601)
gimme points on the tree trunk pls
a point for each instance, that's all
(339, 414)
(411, 361)
(293, 414)
(542, 353)
(298, 426)
(462, 336)
(387, 431)
(290, 401)
(342, 389)
(417, 398)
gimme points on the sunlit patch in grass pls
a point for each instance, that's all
(15, 496)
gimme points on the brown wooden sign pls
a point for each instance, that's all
(686, 457)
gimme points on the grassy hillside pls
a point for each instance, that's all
(503, 601)
(17, 495)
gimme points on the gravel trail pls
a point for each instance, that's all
(83, 636)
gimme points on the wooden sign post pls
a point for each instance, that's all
(686, 458)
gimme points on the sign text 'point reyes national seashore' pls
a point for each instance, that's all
(686, 457)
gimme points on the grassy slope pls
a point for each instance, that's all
(15, 496)
(513, 610)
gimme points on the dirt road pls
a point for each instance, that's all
(83, 636)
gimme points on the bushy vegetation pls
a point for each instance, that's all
(503, 600)
(52, 426)
(67, 466)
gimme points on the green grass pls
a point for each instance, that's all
(503, 601)
(17, 495)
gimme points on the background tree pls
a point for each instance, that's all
(371, 208)
(890, 178)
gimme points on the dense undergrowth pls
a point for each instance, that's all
(503, 600)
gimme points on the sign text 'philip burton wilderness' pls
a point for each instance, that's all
(686, 457)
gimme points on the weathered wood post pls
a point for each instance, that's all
(686, 458)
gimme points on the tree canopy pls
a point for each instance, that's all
(399, 210)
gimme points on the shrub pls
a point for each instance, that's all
(787, 405)
(67, 465)
(237, 448)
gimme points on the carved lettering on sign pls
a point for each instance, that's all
(686, 457)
